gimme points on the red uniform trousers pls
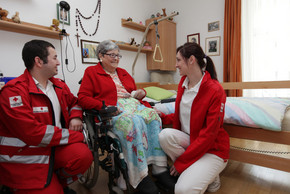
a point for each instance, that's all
(70, 162)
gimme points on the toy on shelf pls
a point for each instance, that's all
(132, 42)
(3, 14)
(147, 45)
(54, 26)
(164, 12)
(129, 19)
(16, 17)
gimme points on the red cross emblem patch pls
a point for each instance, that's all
(15, 101)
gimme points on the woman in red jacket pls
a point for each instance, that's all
(136, 126)
(197, 143)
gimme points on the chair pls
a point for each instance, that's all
(106, 149)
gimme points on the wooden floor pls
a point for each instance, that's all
(237, 178)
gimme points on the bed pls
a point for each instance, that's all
(248, 144)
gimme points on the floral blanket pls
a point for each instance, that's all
(137, 128)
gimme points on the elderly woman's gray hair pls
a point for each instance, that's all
(105, 46)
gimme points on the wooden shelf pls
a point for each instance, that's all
(29, 28)
(133, 25)
(133, 48)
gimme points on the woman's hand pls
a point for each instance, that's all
(173, 171)
(158, 111)
(139, 94)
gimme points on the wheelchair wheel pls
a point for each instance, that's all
(89, 179)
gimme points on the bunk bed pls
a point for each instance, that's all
(248, 135)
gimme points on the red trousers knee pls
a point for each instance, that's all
(70, 162)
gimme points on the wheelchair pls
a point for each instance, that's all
(106, 149)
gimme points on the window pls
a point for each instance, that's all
(266, 43)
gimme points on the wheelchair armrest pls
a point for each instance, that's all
(104, 114)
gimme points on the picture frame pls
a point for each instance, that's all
(62, 15)
(89, 51)
(212, 46)
(213, 26)
(193, 38)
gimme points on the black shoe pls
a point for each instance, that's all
(147, 186)
(5, 190)
(68, 190)
(166, 180)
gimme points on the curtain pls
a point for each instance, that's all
(265, 41)
(232, 44)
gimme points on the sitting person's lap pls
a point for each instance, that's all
(138, 128)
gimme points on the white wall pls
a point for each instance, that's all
(193, 18)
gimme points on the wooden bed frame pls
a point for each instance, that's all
(248, 133)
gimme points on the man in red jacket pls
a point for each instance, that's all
(41, 140)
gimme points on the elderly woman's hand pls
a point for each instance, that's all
(158, 111)
(139, 94)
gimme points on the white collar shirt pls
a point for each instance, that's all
(186, 103)
(50, 93)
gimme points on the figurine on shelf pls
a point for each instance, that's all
(158, 14)
(54, 26)
(16, 17)
(129, 19)
(164, 12)
(132, 41)
(152, 16)
(147, 45)
(3, 14)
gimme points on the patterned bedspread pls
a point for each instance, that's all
(266, 113)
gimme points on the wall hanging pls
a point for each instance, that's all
(80, 17)
(212, 46)
(193, 38)
(63, 15)
(89, 51)
(213, 26)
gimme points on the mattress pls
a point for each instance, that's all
(272, 113)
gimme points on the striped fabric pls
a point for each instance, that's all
(266, 113)
(259, 112)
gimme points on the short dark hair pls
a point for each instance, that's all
(35, 48)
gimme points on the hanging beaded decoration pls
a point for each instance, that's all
(78, 20)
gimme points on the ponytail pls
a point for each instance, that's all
(210, 68)
(191, 48)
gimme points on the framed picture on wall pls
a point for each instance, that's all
(88, 51)
(212, 46)
(62, 15)
(213, 26)
(193, 38)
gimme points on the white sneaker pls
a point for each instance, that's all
(215, 185)
(121, 182)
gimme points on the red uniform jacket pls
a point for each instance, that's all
(27, 131)
(207, 134)
(97, 86)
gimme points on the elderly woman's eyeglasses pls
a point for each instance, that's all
(112, 55)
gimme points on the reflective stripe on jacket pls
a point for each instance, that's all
(27, 131)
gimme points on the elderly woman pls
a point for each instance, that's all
(137, 126)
